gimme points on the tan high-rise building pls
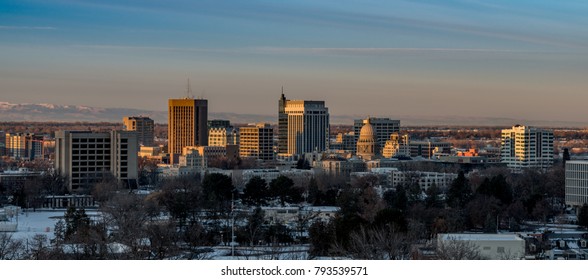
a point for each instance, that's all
(144, 127)
(187, 125)
(257, 141)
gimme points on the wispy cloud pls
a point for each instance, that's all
(9, 27)
(385, 51)
(158, 49)
(317, 51)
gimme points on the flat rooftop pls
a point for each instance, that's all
(480, 237)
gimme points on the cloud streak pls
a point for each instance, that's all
(132, 48)
(9, 27)
(306, 50)
(387, 51)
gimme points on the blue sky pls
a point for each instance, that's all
(516, 59)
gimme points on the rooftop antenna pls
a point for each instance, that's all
(189, 90)
(283, 97)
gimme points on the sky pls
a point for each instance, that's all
(524, 59)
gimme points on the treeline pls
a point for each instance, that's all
(185, 217)
(373, 227)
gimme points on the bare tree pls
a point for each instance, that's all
(383, 243)
(126, 215)
(10, 248)
(163, 239)
(454, 249)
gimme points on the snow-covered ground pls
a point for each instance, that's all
(31, 223)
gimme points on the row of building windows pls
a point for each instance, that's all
(91, 152)
(91, 140)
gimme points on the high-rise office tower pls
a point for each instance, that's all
(383, 128)
(526, 147)
(257, 141)
(282, 125)
(144, 127)
(187, 125)
(303, 126)
(85, 157)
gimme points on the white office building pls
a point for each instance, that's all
(526, 147)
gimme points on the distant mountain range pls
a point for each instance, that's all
(73, 113)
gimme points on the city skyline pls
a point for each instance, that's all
(521, 60)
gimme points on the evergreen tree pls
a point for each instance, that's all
(256, 191)
(460, 192)
(217, 188)
(498, 188)
(566, 156)
(75, 220)
(433, 200)
(583, 216)
(282, 188)
(303, 164)
(321, 236)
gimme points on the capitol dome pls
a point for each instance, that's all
(367, 131)
(366, 145)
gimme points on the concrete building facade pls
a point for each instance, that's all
(576, 190)
(85, 157)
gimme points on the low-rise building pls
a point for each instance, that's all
(336, 165)
(488, 246)
(14, 179)
(300, 177)
(428, 148)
